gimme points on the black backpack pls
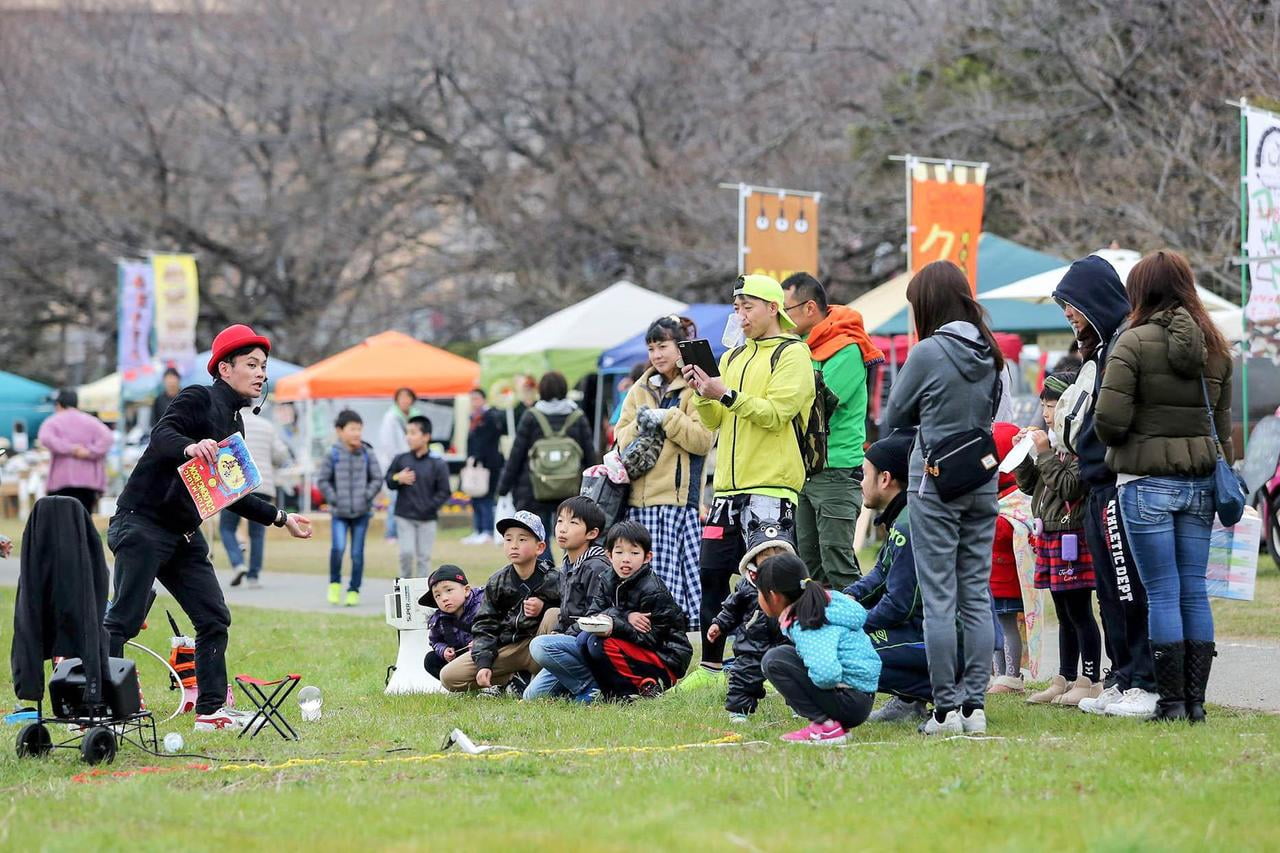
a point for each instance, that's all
(813, 437)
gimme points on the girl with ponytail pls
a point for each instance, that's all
(831, 674)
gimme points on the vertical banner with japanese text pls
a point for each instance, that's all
(177, 306)
(946, 215)
(1262, 240)
(136, 302)
(779, 233)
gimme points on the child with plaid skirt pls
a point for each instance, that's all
(1064, 566)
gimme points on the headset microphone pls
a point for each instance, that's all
(262, 398)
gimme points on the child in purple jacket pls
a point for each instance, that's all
(456, 605)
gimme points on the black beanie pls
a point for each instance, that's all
(893, 453)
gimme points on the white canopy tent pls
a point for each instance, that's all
(571, 339)
(1040, 287)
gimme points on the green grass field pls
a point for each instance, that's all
(369, 775)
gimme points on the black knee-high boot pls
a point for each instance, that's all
(1198, 661)
(1170, 681)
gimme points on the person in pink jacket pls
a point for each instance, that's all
(77, 443)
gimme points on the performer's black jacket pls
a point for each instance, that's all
(155, 489)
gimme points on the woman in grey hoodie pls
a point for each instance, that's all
(947, 386)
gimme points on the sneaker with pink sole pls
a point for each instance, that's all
(826, 733)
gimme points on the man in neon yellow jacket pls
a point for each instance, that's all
(764, 385)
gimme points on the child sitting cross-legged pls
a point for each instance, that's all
(830, 675)
(521, 600)
(456, 604)
(579, 524)
(641, 648)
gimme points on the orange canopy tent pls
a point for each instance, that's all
(379, 365)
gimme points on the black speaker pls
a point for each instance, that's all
(120, 693)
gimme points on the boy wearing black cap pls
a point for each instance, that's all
(891, 594)
(155, 533)
(449, 629)
(520, 602)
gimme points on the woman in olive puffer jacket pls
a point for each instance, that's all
(1167, 374)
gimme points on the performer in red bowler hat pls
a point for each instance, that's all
(155, 533)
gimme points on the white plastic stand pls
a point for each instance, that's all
(410, 676)
(410, 619)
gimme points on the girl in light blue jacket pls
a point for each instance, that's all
(831, 673)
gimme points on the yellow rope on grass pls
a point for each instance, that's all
(731, 739)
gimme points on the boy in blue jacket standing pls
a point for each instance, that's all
(891, 594)
(349, 480)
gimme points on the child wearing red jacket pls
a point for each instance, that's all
(1006, 590)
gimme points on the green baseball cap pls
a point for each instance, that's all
(766, 288)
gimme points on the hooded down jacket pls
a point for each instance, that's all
(1151, 411)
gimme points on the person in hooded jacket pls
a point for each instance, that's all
(950, 384)
(1096, 306)
(554, 405)
(1164, 403)
(827, 512)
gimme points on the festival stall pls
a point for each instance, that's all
(1038, 289)
(22, 400)
(1000, 262)
(572, 339)
(373, 370)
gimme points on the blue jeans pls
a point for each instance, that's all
(482, 510)
(358, 528)
(564, 668)
(391, 516)
(228, 525)
(1168, 521)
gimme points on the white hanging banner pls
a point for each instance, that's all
(1262, 190)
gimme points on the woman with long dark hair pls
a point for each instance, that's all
(665, 499)
(950, 386)
(1164, 412)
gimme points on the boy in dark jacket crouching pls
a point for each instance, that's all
(755, 634)
(521, 601)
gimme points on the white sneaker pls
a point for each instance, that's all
(473, 539)
(1137, 703)
(950, 725)
(253, 583)
(226, 719)
(975, 723)
(1104, 700)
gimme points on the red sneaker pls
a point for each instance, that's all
(829, 732)
(226, 719)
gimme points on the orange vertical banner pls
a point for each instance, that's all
(779, 232)
(946, 216)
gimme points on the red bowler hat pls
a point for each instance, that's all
(231, 339)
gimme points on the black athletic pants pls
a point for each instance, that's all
(145, 553)
(87, 497)
(1122, 600)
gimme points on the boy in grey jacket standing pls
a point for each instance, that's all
(349, 479)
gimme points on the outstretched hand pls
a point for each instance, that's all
(299, 526)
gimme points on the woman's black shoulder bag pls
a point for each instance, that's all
(964, 461)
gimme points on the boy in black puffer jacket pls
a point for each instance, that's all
(644, 651)
(755, 634)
